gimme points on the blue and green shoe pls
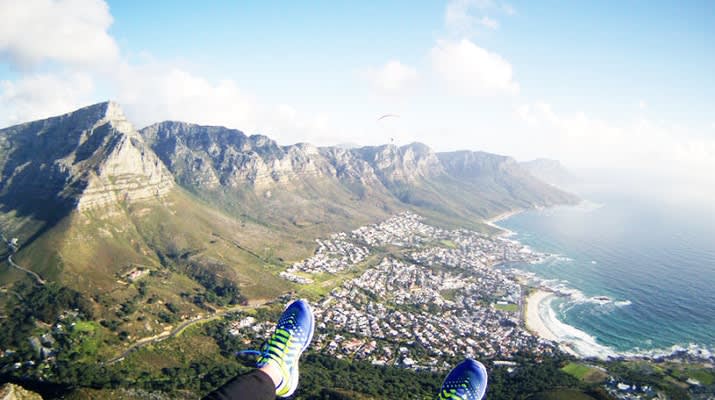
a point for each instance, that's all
(292, 336)
(467, 381)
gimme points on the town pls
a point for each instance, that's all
(431, 294)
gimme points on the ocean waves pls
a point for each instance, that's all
(562, 300)
(622, 283)
(582, 344)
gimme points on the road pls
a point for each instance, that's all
(18, 295)
(13, 249)
(176, 331)
(34, 274)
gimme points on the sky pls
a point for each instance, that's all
(607, 84)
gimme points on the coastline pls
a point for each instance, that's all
(492, 222)
(537, 326)
(541, 320)
(532, 318)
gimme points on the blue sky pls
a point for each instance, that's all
(595, 84)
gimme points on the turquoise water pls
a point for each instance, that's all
(654, 261)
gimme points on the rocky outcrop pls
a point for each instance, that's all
(475, 164)
(93, 157)
(503, 179)
(550, 171)
(402, 165)
(349, 167)
(11, 391)
(210, 157)
(87, 158)
(216, 158)
(127, 170)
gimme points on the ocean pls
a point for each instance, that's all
(640, 273)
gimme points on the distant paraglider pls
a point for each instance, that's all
(382, 124)
(388, 116)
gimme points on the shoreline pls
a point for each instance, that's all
(536, 325)
(575, 342)
(492, 222)
(533, 320)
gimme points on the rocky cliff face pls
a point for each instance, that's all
(10, 391)
(402, 165)
(349, 167)
(216, 158)
(551, 171)
(476, 164)
(211, 157)
(88, 158)
(93, 157)
(503, 177)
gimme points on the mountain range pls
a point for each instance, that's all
(551, 171)
(90, 199)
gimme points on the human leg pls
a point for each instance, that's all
(255, 385)
(278, 363)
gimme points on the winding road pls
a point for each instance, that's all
(177, 331)
(34, 274)
(13, 250)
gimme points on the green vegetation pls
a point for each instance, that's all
(448, 244)
(203, 357)
(577, 370)
(449, 294)
(37, 303)
(585, 372)
(563, 394)
(46, 302)
(219, 291)
(702, 375)
(507, 307)
(667, 376)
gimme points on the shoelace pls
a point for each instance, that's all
(273, 350)
(449, 394)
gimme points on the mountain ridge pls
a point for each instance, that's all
(89, 197)
(396, 175)
(80, 159)
(550, 171)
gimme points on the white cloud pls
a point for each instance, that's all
(287, 125)
(72, 35)
(41, 96)
(64, 31)
(642, 105)
(461, 17)
(489, 23)
(471, 70)
(155, 92)
(393, 77)
(582, 140)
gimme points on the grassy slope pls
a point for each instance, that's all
(585, 372)
(564, 394)
(88, 250)
(91, 251)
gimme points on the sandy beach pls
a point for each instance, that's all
(533, 319)
(492, 221)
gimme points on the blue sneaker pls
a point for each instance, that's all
(292, 336)
(467, 381)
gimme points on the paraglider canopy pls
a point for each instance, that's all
(388, 116)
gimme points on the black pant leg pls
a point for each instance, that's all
(255, 385)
